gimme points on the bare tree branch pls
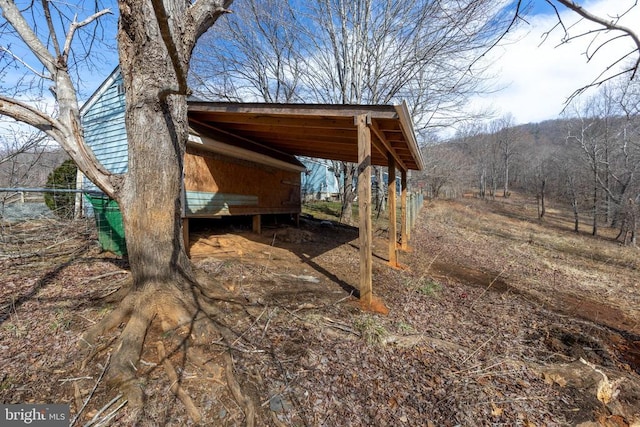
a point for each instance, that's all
(607, 25)
(52, 30)
(15, 18)
(65, 128)
(27, 66)
(25, 113)
(74, 27)
(203, 14)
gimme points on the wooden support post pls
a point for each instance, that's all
(411, 213)
(393, 234)
(364, 204)
(185, 234)
(257, 224)
(404, 228)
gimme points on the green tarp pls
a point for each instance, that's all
(109, 223)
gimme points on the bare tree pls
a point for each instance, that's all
(156, 39)
(507, 143)
(444, 175)
(606, 135)
(254, 55)
(355, 52)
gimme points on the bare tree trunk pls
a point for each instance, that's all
(348, 194)
(542, 195)
(505, 190)
(594, 231)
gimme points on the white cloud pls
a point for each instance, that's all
(538, 78)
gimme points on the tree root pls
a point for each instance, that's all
(192, 317)
(176, 389)
(245, 403)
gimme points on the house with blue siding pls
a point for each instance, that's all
(319, 181)
(103, 122)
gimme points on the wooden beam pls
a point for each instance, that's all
(300, 131)
(364, 204)
(282, 121)
(257, 224)
(404, 233)
(295, 110)
(393, 234)
(383, 139)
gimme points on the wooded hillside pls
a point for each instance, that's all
(588, 162)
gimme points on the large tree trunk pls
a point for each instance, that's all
(151, 199)
(164, 288)
(157, 131)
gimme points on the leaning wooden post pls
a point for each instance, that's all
(364, 205)
(404, 233)
(393, 234)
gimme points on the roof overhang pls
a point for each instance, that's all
(314, 130)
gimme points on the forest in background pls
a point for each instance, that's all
(588, 161)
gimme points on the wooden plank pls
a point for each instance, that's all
(250, 211)
(364, 203)
(293, 130)
(215, 203)
(296, 134)
(404, 232)
(308, 111)
(237, 181)
(391, 178)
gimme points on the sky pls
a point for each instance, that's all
(537, 78)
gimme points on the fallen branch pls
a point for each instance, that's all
(104, 408)
(64, 380)
(107, 419)
(102, 276)
(104, 370)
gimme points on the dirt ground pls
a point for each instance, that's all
(496, 319)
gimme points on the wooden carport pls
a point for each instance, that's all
(364, 134)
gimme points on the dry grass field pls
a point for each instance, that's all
(503, 244)
(496, 319)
